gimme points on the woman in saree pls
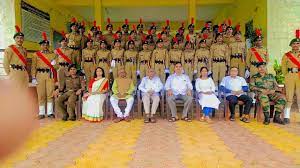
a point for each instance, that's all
(92, 109)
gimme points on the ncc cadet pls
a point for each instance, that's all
(144, 59)
(166, 42)
(130, 59)
(188, 58)
(152, 31)
(202, 56)
(168, 30)
(191, 33)
(74, 41)
(88, 60)
(228, 36)
(125, 33)
(140, 30)
(117, 55)
(109, 35)
(175, 55)
(84, 38)
(103, 58)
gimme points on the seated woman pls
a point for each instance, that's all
(207, 99)
(92, 109)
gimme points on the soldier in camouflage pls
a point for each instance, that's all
(265, 86)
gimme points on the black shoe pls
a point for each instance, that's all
(232, 118)
(277, 119)
(72, 118)
(51, 116)
(267, 118)
(65, 118)
(41, 117)
(286, 120)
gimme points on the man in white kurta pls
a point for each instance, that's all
(150, 86)
(179, 86)
(235, 88)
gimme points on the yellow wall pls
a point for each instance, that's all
(243, 11)
(58, 18)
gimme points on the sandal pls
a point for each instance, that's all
(146, 120)
(152, 120)
(202, 119)
(186, 119)
(208, 120)
(173, 119)
(245, 120)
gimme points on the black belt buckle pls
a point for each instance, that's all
(159, 62)
(102, 60)
(144, 62)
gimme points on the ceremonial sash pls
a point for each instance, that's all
(293, 60)
(47, 62)
(17, 52)
(66, 58)
(257, 55)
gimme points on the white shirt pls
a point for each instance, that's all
(233, 84)
(206, 85)
(179, 84)
(148, 84)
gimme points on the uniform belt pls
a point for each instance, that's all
(236, 56)
(144, 61)
(188, 61)
(130, 60)
(103, 60)
(118, 60)
(88, 60)
(159, 62)
(219, 60)
(43, 70)
(202, 60)
(174, 62)
(18, 67)
(64, 64)
(293, 70)
(74, 47)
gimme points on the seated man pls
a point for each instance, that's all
(265, 86)
(122, 90)
(70, 88)
(235, 88)
(150, 86)
(179, 86)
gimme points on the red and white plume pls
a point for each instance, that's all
(159, 36)
(229, 22)
(258, 32)
(205, 36)
(182, 24)
(44, 36)
(73, 20)
(153, 23)
(108, 20)
(188, 38)
(126, 21)
(149, 32)
(115, 36)
(129, 38)
(89, 36)
(83, 23)
(206, 25)
(99, 28)
(63, 34)
(220, 30)
(298, 33)
(141, 20)
(18, 30)
(134, 27)
(119, 29)
(143, 37)
(168, 22)
(175, 40)
(238, 27)
(94, 23)
(192, 20)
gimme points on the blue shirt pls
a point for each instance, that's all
(230, 84)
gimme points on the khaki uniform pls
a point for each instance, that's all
(151, 46)
(44, 77)
(228, 39)
(118, 56)
(130, 59)
(84, 40)
(188, 62)
(237, 56)
(109, 38)
(140, 36)
(63, 64)
(103, 58)
(159, 62)
(175, 56)
(292, 78)
(202, 59)
(69, 88)
(144, 59)
(181, 45)
(251, 60)
(75, 44)
(96, 44)
(125, 37)
(88, 63)
(219, 59)
(14, 67)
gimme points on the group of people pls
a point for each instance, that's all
(126, 56)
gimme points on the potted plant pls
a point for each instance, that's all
(279, 76)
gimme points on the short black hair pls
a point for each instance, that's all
(71, 66)
(95, 72)
(234, 67)
(204, 67)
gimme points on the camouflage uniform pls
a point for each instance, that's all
(259, 84)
